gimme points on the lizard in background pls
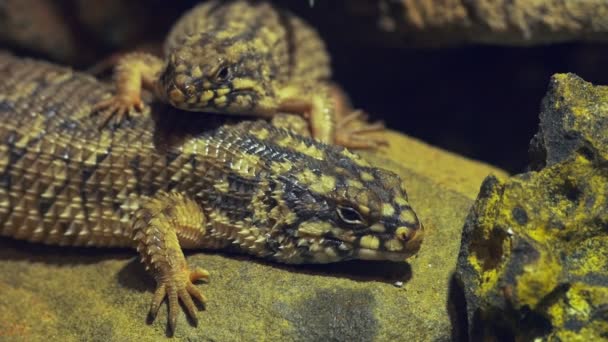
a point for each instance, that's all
(242, 57)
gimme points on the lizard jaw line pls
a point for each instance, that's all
(373, 254)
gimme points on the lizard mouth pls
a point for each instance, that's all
(244, 91)
(374, 254)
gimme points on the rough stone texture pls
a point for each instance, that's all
(574, 117)
(35, 25)
(534, 255)
(70, 294)
(80, 31)
(504, 22)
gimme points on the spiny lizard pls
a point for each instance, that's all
(249, 186)
(245, 57)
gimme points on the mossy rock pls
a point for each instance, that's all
(574, 118)
(534, 255)
(68, 294)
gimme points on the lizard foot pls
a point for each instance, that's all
(117, 109)
(176, 287)
(351, 131)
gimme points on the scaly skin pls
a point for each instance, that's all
(246, 58)
(160, 186)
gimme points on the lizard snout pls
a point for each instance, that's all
(412, 238)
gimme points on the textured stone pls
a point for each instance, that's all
(534, 256)
(574, 118)
(37, 25)
(448, 22)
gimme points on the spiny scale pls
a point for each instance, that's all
(297, 52)
(62, 181)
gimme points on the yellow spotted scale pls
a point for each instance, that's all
(242, 57)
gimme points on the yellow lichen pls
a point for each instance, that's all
(538, 244)
(538, 279)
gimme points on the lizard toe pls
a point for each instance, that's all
(199, 274)
(117, 109)
(359, 139)
(178, 288)
(186, 299)
(352, 129)
(172, 298)
(157, 300)
(196, 293)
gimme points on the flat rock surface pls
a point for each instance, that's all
(69, 294)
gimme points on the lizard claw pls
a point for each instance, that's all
(351, 130)
(117, 109)
(179, 287)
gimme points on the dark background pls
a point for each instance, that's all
(479, 101)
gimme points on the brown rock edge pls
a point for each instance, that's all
(449, 22)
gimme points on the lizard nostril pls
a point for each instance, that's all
(404, 234)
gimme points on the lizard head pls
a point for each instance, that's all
(216, 75)
(331, 205)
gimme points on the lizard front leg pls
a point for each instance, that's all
(133, 72)
(165, 224)
(316, 105)
(352, 124)
(330, 116)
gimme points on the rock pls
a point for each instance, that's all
(72, 294)
(38, 26)
(406, 23)
(534, 256)
(571, 119)
(81, 32)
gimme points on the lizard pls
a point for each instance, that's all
(164, 186)
(245, 57)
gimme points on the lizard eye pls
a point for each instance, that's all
(222, 73)
(349, 215)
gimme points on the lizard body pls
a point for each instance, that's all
(245, 57)
(247, 186)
